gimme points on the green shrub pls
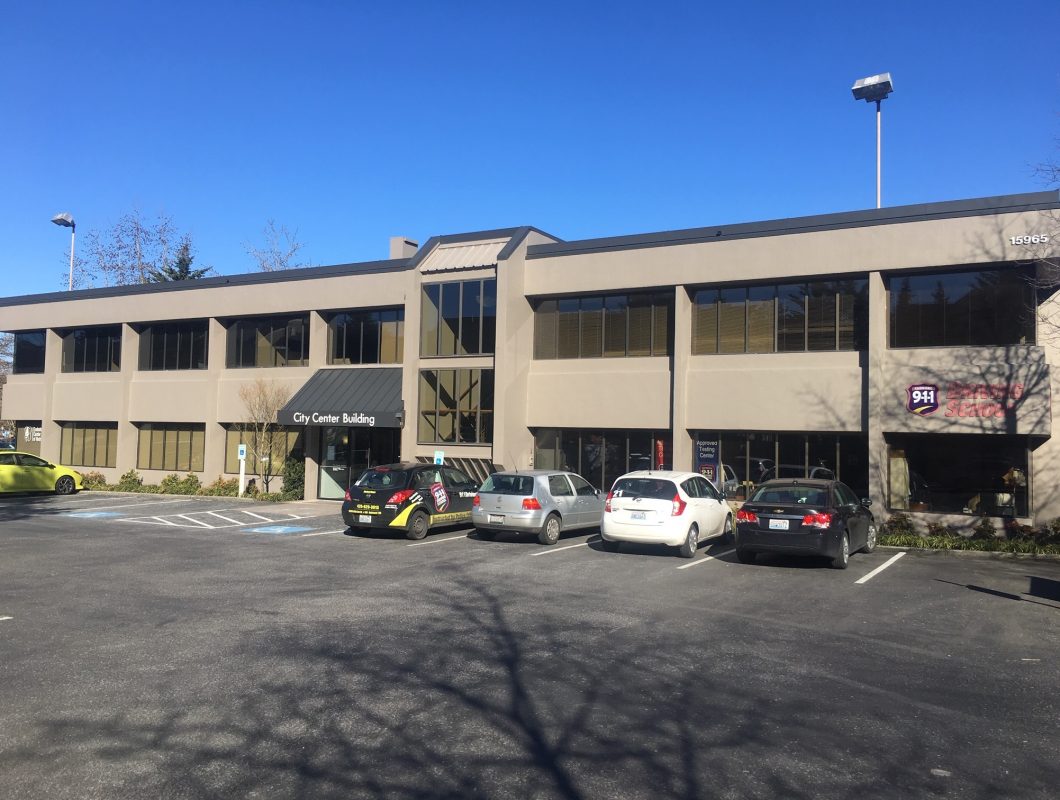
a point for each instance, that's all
(984, 529)
(130, 482)
(270, 497)
(293, 479)
(899, 524)
(93, 480)
(174, 484)
(221, 488)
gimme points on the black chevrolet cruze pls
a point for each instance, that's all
(805, 517)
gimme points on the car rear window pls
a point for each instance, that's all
(651, 488)
(790, 495)
(383, 479)
(508, 484)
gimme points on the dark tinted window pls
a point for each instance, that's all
(558, 486)
(455, 477)
(508, 484)
(28, 353)
(174, 345)
(581, 486)
(383, 479)
(651, 488)
(791, 495)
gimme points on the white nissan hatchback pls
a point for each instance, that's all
(680, 509)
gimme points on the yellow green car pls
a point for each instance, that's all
(25, 472)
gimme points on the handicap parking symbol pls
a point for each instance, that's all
(279, 529)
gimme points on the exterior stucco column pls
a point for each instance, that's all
(50, 435)
(878, 466)
(679, 365)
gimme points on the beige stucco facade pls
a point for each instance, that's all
(843, 392)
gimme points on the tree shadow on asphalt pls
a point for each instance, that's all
(474, 692)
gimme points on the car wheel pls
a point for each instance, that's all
(550, 530)
(418, 524)
(608, 545)
(688, 549)
(489, 536)
(870, 539)
(65, 485)
(843, 559)
(745, 556)
(726, 535)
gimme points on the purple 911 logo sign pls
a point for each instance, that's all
(923, 398)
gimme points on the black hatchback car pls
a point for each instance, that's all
(410, 496)
(805, 517)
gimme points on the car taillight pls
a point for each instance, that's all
(476, 500)
(679, 506)
(817, 521)
(399, 497)
(531, 504)
(348, 498)
(746, 516)
(607, 502)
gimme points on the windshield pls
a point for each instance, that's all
(651, 488)
(790, 495)
(383, 479)
(508, 484)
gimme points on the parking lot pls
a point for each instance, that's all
(158, 646)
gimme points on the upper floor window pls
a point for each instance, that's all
(96, 349)
(174, 345)
(28, 356)
(458, 318)
(281, 341)
(613, 325)
(962, 308)
(784, 318)
(374, 336)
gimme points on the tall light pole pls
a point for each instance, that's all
(65, 220)
(874, 89)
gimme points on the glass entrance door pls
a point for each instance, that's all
(347, 452)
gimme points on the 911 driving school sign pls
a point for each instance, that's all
(922, 398)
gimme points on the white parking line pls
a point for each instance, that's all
(127, 505)
(163, 520)
(5, 619)
(323, 533)
(438, 541)
(705, 559)
(227, 519)
(251, 513)
(557, 549)
(197, 522)
(880, 568)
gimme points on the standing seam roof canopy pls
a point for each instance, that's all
(351, 396)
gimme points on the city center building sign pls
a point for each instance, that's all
(965, 399)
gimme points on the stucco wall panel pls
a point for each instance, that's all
(176, 398)
(786, 391)
(88, 397)
(600, 393)
(24, 397)
(230, 406)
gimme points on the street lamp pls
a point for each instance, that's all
(874, 89)
(65, 220)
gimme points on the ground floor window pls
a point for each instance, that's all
(347, 452)
(276, 444)
(174, 447)
(983, 475)
(88, 444)
(601, 456)
(750, 457)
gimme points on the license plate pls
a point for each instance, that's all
(636, 515)
(778, 524)
(364, 518)
(496, 519)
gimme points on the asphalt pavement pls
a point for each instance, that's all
(160, 647)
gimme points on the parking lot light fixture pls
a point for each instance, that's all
(67, 221)
(874, 89)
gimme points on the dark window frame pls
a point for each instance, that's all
(435, 298)
(95, 348)
(242, 346)
(479, 395)
(584, 326)
(342, 336)
(175, 346)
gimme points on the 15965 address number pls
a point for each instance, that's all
(1035, 239)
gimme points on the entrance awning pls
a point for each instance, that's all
(355, 397)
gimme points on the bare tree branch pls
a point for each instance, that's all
(266, 441)
(279, 251)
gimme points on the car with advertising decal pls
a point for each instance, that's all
(805, 517)
(411, 496)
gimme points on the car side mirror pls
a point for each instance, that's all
(866, 502)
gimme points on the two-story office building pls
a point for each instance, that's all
(906, 350)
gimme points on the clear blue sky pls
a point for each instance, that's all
(357, 121)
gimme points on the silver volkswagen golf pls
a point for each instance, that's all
(545, 502)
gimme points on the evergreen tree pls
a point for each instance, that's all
(180, 269)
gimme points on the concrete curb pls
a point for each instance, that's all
(973, 553)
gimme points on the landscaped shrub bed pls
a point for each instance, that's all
(899, 531)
